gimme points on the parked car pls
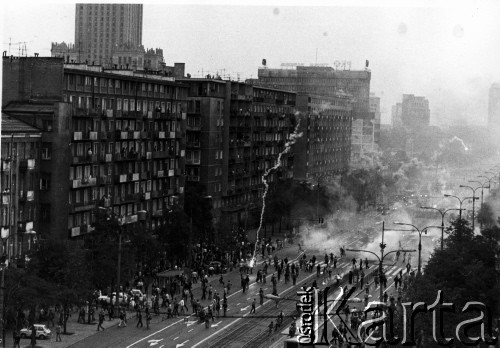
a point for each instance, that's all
(217, 267)
(105, 298)
(138, 293)
(42, 332)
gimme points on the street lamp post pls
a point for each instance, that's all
(381, 257)
(424, 230)
(442, 219)
(460, 202)
(5, 236)
(487, 179)
(482, 189)
(473, 201)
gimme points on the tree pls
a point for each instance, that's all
(464, 271)
(62, 265)
(485, 215)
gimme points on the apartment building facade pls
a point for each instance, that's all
(235, 132)
(114, 139)
(19, 178)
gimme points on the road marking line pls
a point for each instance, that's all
(190, 330)
(176, 338)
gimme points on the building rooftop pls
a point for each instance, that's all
(13, 125)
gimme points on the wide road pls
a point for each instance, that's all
(187, 332)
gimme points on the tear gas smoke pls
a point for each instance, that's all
(293, 138)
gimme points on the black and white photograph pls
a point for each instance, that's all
(250, 174)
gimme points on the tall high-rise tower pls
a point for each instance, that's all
(102, 28)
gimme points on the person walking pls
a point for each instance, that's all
(148, 320)
(271, 327)
(101, 321)
(261, 296)
(224, 306)
(58, 333)
(253, 306)
(139, 319)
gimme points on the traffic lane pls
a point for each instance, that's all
(238, 305)
(236, 297)
(374, 291)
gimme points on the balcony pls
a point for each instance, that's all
(129, 219)
(25, 226)
(120, 178)
(106, 157)
(108, 113)
(80, 207)
(195, 127)
(195, 144)
(5, 165)
(159, 135)
(77, 136)
(193, 178)
(103, 135)
(145, 196)
(145, 135)
(26, 164)
(145, 175)
(171, 135)
(132, 197)
(84, 159)
(105, 180)
(93, 136)
(26, 196)
(133, 176)
(158, 213)
(160, 174)
(171, 172)
(85, 182)
(160, 154)
(156, 194)
(126, 156)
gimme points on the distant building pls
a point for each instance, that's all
(234, 133)
(111, 139)
(109, 35)
(326, 82)
(494, 105)
(415, 112)
(21, 184)
(325, 146)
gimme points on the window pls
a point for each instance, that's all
(44, 184)
(46, 151)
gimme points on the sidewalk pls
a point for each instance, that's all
(76, 332)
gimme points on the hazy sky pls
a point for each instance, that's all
(446, 51)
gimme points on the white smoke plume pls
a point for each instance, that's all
(288, 145)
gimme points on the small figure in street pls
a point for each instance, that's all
(271, 327)
(261, 296)
(17, 338)
(139, 319)
(58, 333)
(335, 262)
(101, 321)
(224, 306)
(366, 263)
(292, 329)
(148, 320)
(385, 296)
(354, 262)
(253, 306)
